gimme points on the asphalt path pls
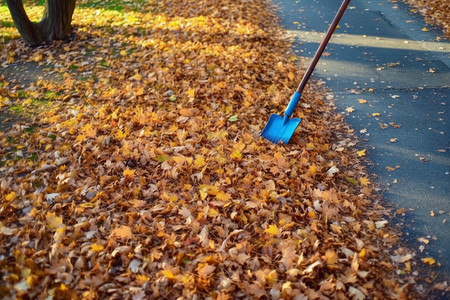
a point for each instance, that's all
(391, 75)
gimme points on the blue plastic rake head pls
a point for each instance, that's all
(282, 128)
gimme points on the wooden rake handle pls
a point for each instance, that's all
(322, 46)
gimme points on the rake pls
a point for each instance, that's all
(282, 128)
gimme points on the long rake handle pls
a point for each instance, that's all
(322, 45)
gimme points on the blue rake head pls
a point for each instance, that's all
(278, 128)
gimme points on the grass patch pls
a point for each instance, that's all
(30, 129)
(7, 24)
(117, 5)
(17, 109)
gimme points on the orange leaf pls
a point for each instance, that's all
(312, 170)
(312, 214)
(186, 112)
(123, 232)
(90, 132)
(291, 76)
(331, 257)
(129, 173)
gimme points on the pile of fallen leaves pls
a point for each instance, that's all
(436, 12)
(147, 177)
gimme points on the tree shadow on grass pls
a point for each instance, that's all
(21, 77)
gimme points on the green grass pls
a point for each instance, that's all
(30, 129)
(17, 109)
(117, 5)
(6, 24)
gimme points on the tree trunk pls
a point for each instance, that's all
(55, 23)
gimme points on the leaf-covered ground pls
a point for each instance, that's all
(146, 177)
(436, 12)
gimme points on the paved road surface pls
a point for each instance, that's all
(382, 54)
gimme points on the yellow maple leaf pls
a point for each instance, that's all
(97, 247)
(129, 173)
(361, 152)
(81, 137)
(213, 213)
(408, 266)
(364, 181)
(362, 101)
(10, 197)
(310, 146)
(221, 196)
(114, 115)
(429, 260)
(179, 159)
(376, 114)
(126, 148)
(53, 220)
(362, 253)
(272, 277)
(190, 93)
(142, 278)
(168, 274)
(203, 192)
(120, 134)
(199, 161)
(137, 76)
(236, 154)
(272, 229)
